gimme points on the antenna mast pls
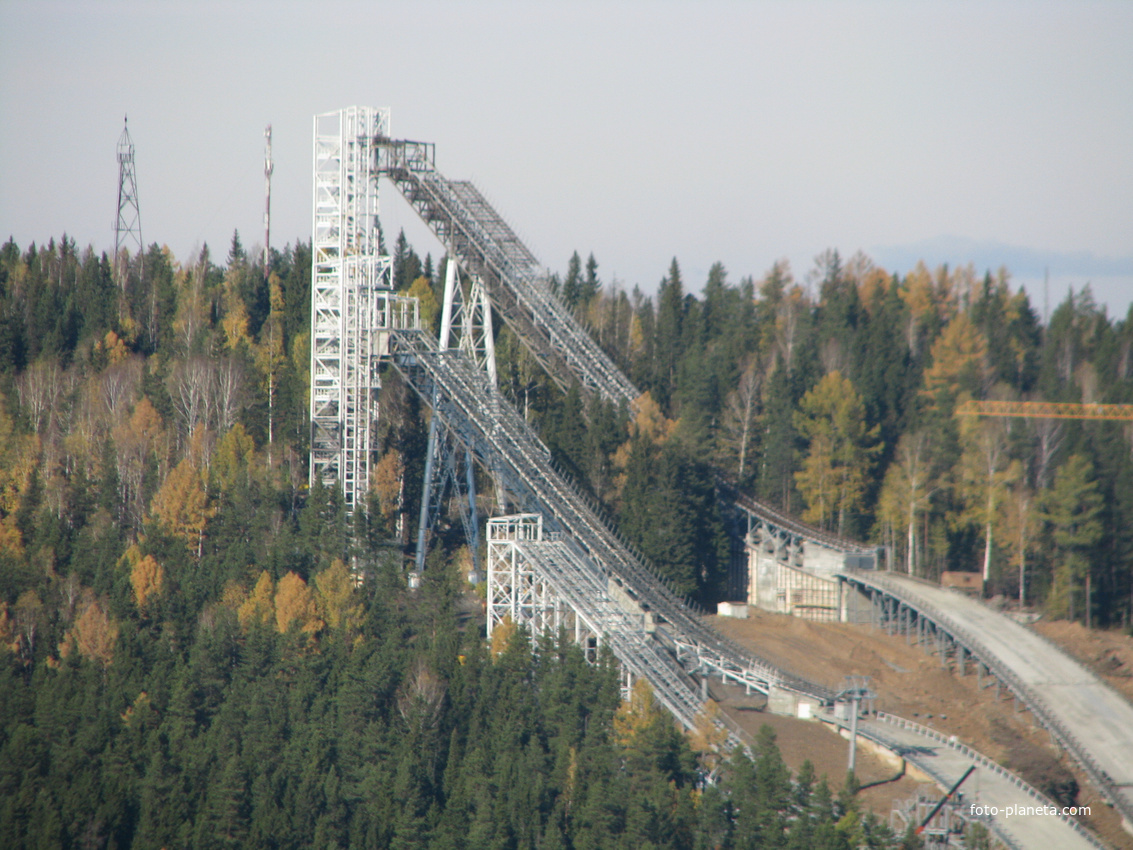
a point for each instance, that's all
(128, 224)
(269, 166)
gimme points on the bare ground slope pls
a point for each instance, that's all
(1107, 653)
(913, 684)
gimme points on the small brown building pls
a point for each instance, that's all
(969, 583)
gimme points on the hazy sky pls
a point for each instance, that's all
(743, 132)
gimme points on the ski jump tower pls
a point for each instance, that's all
(352, 299)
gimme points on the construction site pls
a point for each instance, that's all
(935, 690)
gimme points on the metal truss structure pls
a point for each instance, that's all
(558, 567)
(788, 537)
(590, 569)
(550, 587)
(763, 535)
(516, 283)
(448, 471)
(128, 222)
(468, 317)
(519, 594)
(352, 302)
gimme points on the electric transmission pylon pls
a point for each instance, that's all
(128, 224)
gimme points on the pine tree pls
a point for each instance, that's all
(1072, 509)
(571, 290)
(591, 286)
(668, 335)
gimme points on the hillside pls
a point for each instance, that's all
(912, 684)
(188, 658)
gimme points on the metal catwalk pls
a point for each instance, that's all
(499, 438)
(472, 230)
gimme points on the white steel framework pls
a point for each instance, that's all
(469, 319)
(519, 593)
(351, 299)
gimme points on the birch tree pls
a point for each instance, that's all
(908, 489)
(985, 472)
(742, 409)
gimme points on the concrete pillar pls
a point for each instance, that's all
(784, 702)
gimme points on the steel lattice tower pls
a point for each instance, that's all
(128, 224)
(350, 296)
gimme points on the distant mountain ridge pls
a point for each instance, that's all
(1020, 261)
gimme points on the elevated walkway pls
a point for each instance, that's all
(515, 281)
(1083, 716)
(597, 559)
(517, 285)
(549, 584)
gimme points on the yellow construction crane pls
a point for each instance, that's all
(1046, 410)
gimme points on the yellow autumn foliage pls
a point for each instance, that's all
(295, 606)
(147, 577)
(430, 309)
(234, 595)
(115, 347)
(387, 477)
(235, 324)
(502, 635)
(708, 737)
(637, 714)
(181, 506)
(234, 456)
(94, 635)
(959, 363)
(334, 591)
(650, 423)
(259, 607)
(11, 541)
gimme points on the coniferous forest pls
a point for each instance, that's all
(188, 661)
